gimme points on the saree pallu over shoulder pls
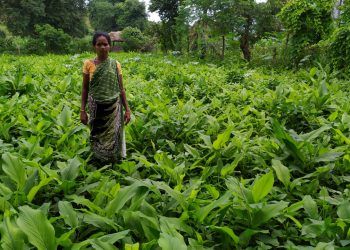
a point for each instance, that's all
(103, 86)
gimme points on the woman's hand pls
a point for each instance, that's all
(83, 117)
(127, 116)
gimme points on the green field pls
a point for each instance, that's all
(219, 157)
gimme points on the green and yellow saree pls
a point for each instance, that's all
(106, 114)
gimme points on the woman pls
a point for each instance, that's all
(103, 89)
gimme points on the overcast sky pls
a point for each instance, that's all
(152, 16)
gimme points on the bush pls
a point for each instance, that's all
(339, 48)
(135, 40)
(55, 40)
(80, 45)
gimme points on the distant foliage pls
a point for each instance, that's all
(308, 22)
(135, 40)
(339, 48)
(54, 40)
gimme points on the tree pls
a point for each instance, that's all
(168, 11)
(307, 22)
(131, 13)
(111, 15)
(21, 16)
(68, 15)
(102, 15)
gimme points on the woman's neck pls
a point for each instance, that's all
(100, 59)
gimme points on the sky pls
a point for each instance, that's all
(153, 16)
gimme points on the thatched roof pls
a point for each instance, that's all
(116, 36)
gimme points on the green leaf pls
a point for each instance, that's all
(65, 117)
(262, 186)
(231, 167)
(135, 246)
(309, 137)
(223, 201)
(67, 212)
(222, 138)
(327, 157)
(282, 172)
(14, 168)
(122, 197)
(12, 238)
(71, 171)
(344, 210)
(113, 238)
(34, 190)
(38, 229)
(310, 207)
(267, 212)
(168, 242)
(227, 231)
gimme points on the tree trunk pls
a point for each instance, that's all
(223, 47)
(285, 49)
(244, 45)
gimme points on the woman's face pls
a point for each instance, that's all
(102, 47)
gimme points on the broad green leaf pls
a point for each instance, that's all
(168, 242)
(12, 238)
(38, 229)
(34, 190)
(113, 238)
(65, 239)
(344, 138)
(168, 224)
(227, 231)
(98, 221)
(122, 197)
(83, 201)
(262, 186)
(222, 138)
(67, 212)
(192, 151)
(229, 168)
(97, 244)
(315, 133)
(5, 190)
(267, 212)
(65, 117)
(310, 207)
(148, 224)
(71, 171)
(14, 168)
(327, 157)
(4, 204)
(135, 246)
(314, 229)
(325, 246)
(282, 172)
(223, 201)
(344, 210)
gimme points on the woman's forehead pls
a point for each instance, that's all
(101, 39)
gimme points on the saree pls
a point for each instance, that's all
(107, 137)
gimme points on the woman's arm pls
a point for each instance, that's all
(127, 115)
(84, 95)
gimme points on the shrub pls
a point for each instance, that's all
(339, 48)
(79, 45)
(56, 41)
(135, 40)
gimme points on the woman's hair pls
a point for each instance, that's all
(98, 34)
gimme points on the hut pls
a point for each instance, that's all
(116, 38)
